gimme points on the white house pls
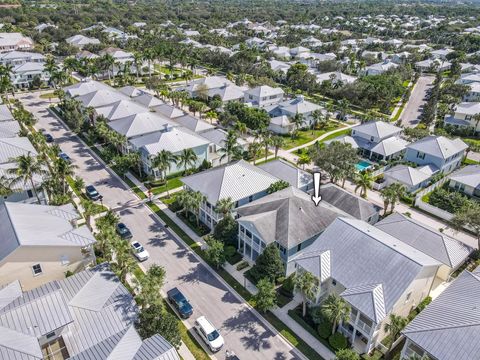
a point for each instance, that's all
(15, 41)
(464, 116)
(380, 68)
(290, 108)
(264, 95)
(80, 41)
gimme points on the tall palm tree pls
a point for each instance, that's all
(306, 283)
(108, 62)
(240, 127)
(277, 143)
(297, 122)
(336, 310)
(187, 159)
(61, 170)
(398, 191)
(266, 141)
(394, 327)
(230, 147)
(224, 206)
(196, 199)
(364, 182)
(137, 61)
(124, 262)
(163, 162)
(386, 194)
(5, 186)
(26, 169)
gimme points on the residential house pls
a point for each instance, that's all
(15, 41)
(15, 58)
(442, 154)
(287, 218)
(469, 78)
(85, 87)
(336, 78)
(215, 85)
(432, 65)
(380, 68)
(285, 171)
(401, 57)
(123, 60)
(281, 66)
(447, 329)
(193, 123)
(349, 203)
(217, 138)
(41, 242)
(23, 75)
(290, 108)
(451, 253)
(378, 140)
(361, 263)
(173, 139)
(465, 114)
(281, 125)
(412, 178)
(473, 93)
(466, 180)
(264, 95)
(43, 26)
(441, 53)
(80, 41)
(89, 315)
(240, 181)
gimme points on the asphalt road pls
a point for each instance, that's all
(411, 113)
(243, 331)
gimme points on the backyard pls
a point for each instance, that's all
(305, 136)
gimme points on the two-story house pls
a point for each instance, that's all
(290, 108)
(380, 68)
(239, 181)
(438, 152)
(465, 115)
(287, 218)
(375, 273)
(15, 41)
(264, 95)
(447, 329)
(466, 180)
(377, 140)
(41, 242)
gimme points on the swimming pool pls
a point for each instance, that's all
(363, 165)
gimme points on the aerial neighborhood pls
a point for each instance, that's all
(239, 180)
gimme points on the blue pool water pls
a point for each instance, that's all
(362, 165)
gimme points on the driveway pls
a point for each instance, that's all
(243, 331)
(412, 111)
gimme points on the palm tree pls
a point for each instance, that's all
(137, 61)
(398, 191)
(364, 182)
(5, 186)
(163, 162)
(212, 115)
(297, 122)
(89, 209)
(230, 147)
(124, 262)
(394, 327)
(224, 206)
(27, 167)
(187, 158)
(240, 127)
(108, 62)
(253, 150)
(62, 169)
(266, 140)
(277, 143)
(386, 194)
(306, 283)
(336, 310)
(303, 160)
(196, 199)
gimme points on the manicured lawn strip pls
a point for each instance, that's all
(337, 134)
(170, 185)
(297, 342)
(135, 188)
(399, 112)
(467, 161)
(49, 95)
(305, 136)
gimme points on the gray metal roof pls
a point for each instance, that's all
(288, 217)
(439, 246)
(175, 140)
(5, 114)
(156, 348)
(380, 129)
(349, 203)
(139, 124)
(169, 111)
(469, 175)
(362, 255)
(287, 172)
(120, 109)
(9, 129)
(101, 98)
(194, 124)
(449, 328)
(439, 146)
(390, 146)
(407, 175)
(85, 87)
(40, 225)
(15, 146)
(237, 180)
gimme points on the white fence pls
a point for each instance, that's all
(445, 215)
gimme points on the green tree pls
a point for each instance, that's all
(468, 216)
(346, 354)
(224, 206)
(394, 327)
(230, 146)
(215, 252)
(26, 169)
(266, 296)
(124, 261)
(277, 143)
(156, 320)
(187, 159)
(268, 265)
(163, 162)
(277, 186)
(149, 285)
(363, 181)
(226, 230)
(336, 310)
(306, 283)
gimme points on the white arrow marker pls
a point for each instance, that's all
(316, 197)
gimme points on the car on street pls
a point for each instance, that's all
(65, 157)
(48, 138)
(123, 231)
(209, 334)
(139, 252)
(180, 302)
(92, 193)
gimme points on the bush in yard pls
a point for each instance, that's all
(269, 265)
(242, 265)
(287, 287)
(226, 230)
(324, 329)
(338, 341)
(230, 251)
(215, 252)
(346, 354)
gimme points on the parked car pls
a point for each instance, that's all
(92, 193)
(48, 138)
(139, 252)
(180, 302)
(209, 334)
(65, 157)
(124, 231)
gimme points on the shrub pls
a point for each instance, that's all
(269, 265)
(242, 265)
(448, 200)
(226, 230)
(324, 330)
(288, 286)
(338, 341)
(230, 251)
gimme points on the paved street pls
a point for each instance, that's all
(243, 331)
(411, 113)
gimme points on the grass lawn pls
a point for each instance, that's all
(170, 185)
(49, 95)
(305, 136)
(470, 162)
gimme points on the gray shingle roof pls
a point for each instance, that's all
(449, 328)
(439, 146)
(439, 246)
(349, 203)
(288, 217)
(362, 255)
(237, 180)
(380, 129)
(287, 172)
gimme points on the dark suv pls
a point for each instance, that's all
(177, 299)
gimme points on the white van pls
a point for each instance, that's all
(209, 334)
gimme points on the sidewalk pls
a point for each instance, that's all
(282, 314)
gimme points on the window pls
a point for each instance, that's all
(334, 283)
(37, 269)
(420, 155)
(248, 233)
(256, 240)
(250, 198)
(50, 335)
(29, 193)
(371, 138)
(299, 247)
